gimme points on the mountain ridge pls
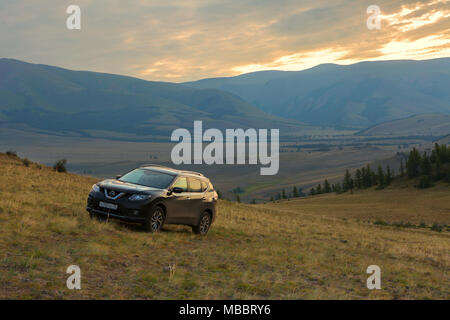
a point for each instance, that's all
(360, 94)
(58, 99)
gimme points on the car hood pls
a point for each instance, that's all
(121, 186)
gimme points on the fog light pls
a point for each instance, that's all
(135, 212)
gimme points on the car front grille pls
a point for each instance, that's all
(113, 194)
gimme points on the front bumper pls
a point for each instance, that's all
(107, 214)
(126, 211)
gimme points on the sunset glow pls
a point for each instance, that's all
(188, 40)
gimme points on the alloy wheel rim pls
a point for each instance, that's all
(204, 224)
(156, 220)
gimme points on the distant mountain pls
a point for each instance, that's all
(55, 99)
(358, 95)
(427, 124)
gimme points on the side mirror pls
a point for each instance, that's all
(118, 176)
(177, 190)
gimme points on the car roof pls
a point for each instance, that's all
(165, 169)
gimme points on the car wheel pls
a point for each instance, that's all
(204, 224)
(155, 220)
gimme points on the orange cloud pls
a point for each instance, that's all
(185, 40)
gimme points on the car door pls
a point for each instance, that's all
(197, 198)
(178, 203)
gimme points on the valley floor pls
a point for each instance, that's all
(312, 248)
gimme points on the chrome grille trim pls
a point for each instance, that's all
(113, 198)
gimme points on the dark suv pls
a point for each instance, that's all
(153, 195)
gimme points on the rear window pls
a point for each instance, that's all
(195, 185)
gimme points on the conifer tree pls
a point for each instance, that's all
(370, 175)
(364, 177)
(389, 175)
(326, 186)
(294, 192)
(380, 177)
(413, 164)
(358, 179)
(338, 187)
(319, 189)
(438, 174)
(402, 169)
(425, 165)
(347, 181)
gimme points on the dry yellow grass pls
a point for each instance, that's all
(317, 248)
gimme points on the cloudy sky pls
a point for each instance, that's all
(181, 40)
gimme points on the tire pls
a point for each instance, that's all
(203, 225)
(155, 220)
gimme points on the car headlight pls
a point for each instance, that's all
(139, 197)
(95, 188)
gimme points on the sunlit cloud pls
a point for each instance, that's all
(428, 47)
(184, 40)
(298, 61)
(405, 20)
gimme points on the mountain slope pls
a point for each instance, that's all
(357, 95)
(427, 124)
(56, 99)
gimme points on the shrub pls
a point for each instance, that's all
(26, 162)
(11, 153)
(60, 166)
(436, 227)
(424, 182)
(381, 223)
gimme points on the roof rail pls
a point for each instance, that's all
(192, 172)
(156, 165)
(165, 167)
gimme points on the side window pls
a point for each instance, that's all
(181, 183)
(195, 185)
(204, 186)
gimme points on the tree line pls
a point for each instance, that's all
(426, 167)
(429, 167)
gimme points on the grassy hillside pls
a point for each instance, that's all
(314, 248)
(303, 168)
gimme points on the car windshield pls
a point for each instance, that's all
(148, 178)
